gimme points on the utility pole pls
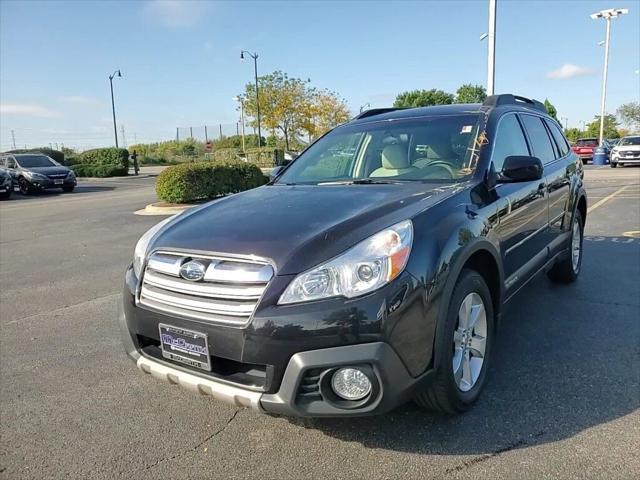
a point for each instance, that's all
(124, 140)
(13, 138)
(178, 134)
(491, 56)
(206, 135)
(191, 132)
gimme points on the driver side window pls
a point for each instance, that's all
(509, 141)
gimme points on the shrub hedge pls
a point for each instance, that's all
(188, 182)
(112, 156)
(99, 170)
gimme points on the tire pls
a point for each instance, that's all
(567, 270)
(24, 186)
(450, 393)
(614, 165)
(5, 195)
(68, 189)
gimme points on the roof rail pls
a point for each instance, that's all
(376, 111)
(509, 99)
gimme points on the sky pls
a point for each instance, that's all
(181, 67)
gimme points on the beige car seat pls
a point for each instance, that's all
(395, 161)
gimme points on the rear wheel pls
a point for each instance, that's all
(567, 270)
(464, 349)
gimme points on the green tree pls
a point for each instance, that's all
(324, 110)
(573, 134)
(283, 101)
(551, 110)
(610, 127)
(629, 114)
(423, 98)
(469, 93)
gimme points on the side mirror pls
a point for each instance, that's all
(520, 168)
(275, 172)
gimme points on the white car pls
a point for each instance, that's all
(626, 152)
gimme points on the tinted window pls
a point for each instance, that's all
(587, 142)
(509, 141)
(563, 146)
(629, 141)
(539, 138)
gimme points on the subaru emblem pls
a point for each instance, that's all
(193, 271)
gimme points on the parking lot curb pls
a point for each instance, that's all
(162, 208)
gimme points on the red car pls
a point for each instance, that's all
(584, 148)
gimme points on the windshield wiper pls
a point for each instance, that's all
(362, 181)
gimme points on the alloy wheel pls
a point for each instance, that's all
(469, 342)
(576, 246)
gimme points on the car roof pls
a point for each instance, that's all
(402, 113)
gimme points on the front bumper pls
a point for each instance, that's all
(50, 183)
(296, 361)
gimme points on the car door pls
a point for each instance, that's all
(558, 174)
(522, 209)
(12, 166)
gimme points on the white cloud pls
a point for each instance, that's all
(176, 13)
(81, 100)
(569, 70)
(27, 110)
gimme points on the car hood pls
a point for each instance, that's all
(627, 148)
(297, 227)
(48, 170)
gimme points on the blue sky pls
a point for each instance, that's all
(181, 67)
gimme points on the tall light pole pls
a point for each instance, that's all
(491, 47)
(607, 15)
(255, 70)
(113, 105)
(241, 100)
(566, 122)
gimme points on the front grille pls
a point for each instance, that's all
(228, 292)
(55, 176)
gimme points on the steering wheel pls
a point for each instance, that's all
(442, 164)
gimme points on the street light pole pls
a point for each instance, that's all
(255, 71)
(607, 15)
(113, 105)
(491, 55)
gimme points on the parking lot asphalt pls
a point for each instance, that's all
(561, 401)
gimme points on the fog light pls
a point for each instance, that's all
(350, 384)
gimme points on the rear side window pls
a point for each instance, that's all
(539, 138)
(509, 141)
(563, 146)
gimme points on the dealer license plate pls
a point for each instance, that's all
(185, 346)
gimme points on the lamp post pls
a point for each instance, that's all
(113, 105)
(607, 15)
(241, 100)
(255, 70)
(491, 48)
(566, 122)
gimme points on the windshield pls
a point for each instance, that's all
(425, 149)
(630, 141)
(30, 161)
(587, 142)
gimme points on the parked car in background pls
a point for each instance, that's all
(613, 142)
(372, 269)
(584, 148)
(627, 152)
(35, 171)
(6, 184)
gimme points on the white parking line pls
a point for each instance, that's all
(607, 198)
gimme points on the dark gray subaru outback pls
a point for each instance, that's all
(371, 270)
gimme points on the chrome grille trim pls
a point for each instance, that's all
(228, 293)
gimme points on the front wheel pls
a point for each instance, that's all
(567, 270)
(24, 186)
(464, 349)
(614, 165)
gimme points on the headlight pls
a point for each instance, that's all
(141, 247)
(71, 174)
(369, 265)
(34, 175)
